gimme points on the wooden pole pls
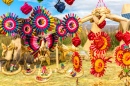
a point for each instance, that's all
(57, 59)
(77, 81)
(0, 66)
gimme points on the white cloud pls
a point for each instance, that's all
(80, 14)
(84, 7)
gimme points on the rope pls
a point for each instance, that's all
(104, 4)
(101, 2)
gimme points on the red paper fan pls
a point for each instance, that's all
(101, 43)
(77, 62)
(126, 59)
(99, 65)
(118, 55)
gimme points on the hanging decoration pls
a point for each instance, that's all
(60, 6)
(119, 35)
(41, 20)
(91, 35)
(8, 2)
(76, 41)
(126, 38)
(26, 28)
(71, 23)
(9, 24)
(101, 43)
(39, 1)
(69, 2)
(77, 62)
(99, 65)
(26, 8)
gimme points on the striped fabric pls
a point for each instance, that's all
(127, 15)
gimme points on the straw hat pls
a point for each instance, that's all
(126, 11)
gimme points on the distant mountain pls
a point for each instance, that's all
(108, 28)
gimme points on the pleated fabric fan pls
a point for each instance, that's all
(9, 24)
(41, 20)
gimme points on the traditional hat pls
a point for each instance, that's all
(126, 11)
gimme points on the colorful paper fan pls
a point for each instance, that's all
(52, 40)
(60, 30)
(118, 55)
(126, 59)
(33, 42)
(101, 43)
(9, 24)
(41, 19)
(98, 65)
(77, 62)
(71, 23)
(26, 28)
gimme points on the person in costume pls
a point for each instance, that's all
(11, 67)
(73, 73)
(44, 70)
(62, 66)
(28, 68)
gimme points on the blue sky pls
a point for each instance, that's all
(15, 7)
(80, 7)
